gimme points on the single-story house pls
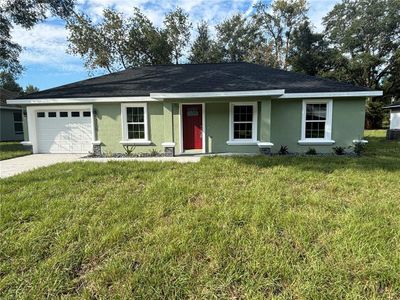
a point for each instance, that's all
(11, 127)
(393, 133)
(196, 108)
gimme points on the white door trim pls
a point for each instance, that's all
(203, 125)
(31, 120)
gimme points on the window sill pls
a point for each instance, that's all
(242, 143)
(136, 143)
(316, 142)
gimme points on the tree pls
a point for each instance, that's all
(367, 32)
(117, 43)
(204, 49)
(29, 89)
(310, 53)
(178, 27)
(237, 38)
(278, 21)
(147, 45)
(25, 14)
(102, 45)
(7, 82)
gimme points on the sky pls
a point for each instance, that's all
(47, 63)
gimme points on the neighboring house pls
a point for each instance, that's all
(204, 108)
(393, 133)
(11, 127)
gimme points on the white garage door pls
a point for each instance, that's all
(64, 131)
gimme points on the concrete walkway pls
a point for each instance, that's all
(13, 166)
(178, 159)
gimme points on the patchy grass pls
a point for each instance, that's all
(11, 150)
(250, 227)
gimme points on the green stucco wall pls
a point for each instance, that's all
(347, 123)
(109, 127)
(283, 117)
(7, 132)
(279, 122)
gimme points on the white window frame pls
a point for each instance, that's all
(253, 140)
(22, 122)
(328, 123)
(124, 118)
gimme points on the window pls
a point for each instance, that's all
(317, 118)
(63, 114)
(18, 128)
(40, 114)
(75, 114)
(243, 122)
(86, 113)
(135, 121)
(52, 114)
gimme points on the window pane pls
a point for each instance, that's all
(135, 114)
(40, 114)
(75, 114)
(18, 127)
(242, 130)
(135, 131)
(52, 114)
(17, 117)
(316, 111)
(315, 130)
(63, 114)
(243, 113)
(86, 113)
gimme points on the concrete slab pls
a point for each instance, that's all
(178, 159)
(13, 166)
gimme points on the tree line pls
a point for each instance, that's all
(360, 42)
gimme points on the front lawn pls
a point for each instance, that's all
(11, 150)
(249, 227)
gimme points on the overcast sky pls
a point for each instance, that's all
(44, 47)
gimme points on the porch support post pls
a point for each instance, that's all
(265, 127)
(168, 144)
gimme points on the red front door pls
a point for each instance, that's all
(192, 126)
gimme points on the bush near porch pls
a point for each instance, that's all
(237, 227)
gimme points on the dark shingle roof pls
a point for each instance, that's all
(194, 78)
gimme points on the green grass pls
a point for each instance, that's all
(249, 227)
(12, 149)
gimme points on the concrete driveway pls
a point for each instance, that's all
(13, 166)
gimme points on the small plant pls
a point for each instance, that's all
(359, 148)
(283, 150)
(154, 152)
(129, 149)
(339, 150)
(311, 151)
(107, 153)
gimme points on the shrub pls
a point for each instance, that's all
(283, 150)
(129, 149)
(338, 150)
(359, 148)
(311, 151)
(154, 152)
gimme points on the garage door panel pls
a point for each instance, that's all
(64, 134)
